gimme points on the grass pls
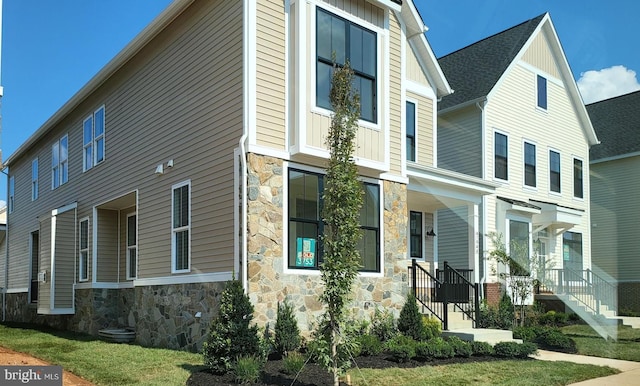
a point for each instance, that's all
(101, 362)
(588, 342)
(508, 372)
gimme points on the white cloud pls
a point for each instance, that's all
(2, 204)
(607, 83)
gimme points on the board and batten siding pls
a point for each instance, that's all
(270, 75)
(413, 70)
(460, 141)
(180, 99)
(615, 194)
(424, 129)
(539, 55)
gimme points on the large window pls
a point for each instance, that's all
(530, 164)
(572, 250)
(415, 234)
(578, 190)
(83, 264)
(34, 179)
(60, 162)
(519, 247)
(132, 247)
(500, 153)
(306, 226)
(93, 139)
(181, 227)
(542, 92)
(349, 42)
(411, 131)
(554, 171)
(12, 193)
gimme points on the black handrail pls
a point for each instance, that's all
(424, 287)
(461, 291)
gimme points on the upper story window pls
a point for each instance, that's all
(83, 271)
(34, 179)
(542, 92)
(578, 190)
(353, 43)
(12, 193)
(60, 162)
(411, 131)
(93, 139)
(530, 164)
(181, 228)
(306, 226)
(554, 171)
(500, 156)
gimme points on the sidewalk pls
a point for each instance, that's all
(630, 371)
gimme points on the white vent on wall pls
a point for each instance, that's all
(42, 276)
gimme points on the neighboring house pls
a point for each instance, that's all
(516, 119)
(615, 194)
(197, 156)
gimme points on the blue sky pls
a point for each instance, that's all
(50, 49)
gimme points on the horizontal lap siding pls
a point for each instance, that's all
(44, 289)
(180, 99)
(615, 192)
(460, 141)
(394, 95)
(424, 131)
(65, 257)
(453, 235)
(107, 268)
(270, 74)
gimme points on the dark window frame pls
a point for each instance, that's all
(542, 92)
(530, 177)
(555, 169)
(415, 235)
(411, 131)
(501, 156)
(578, 178)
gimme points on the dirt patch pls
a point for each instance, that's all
(13, 358)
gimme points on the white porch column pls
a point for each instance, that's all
(474, 240)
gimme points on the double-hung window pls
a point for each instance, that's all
(12, 193)
(348, 42)
(93, 139)
(60, 162)
(554, 171)
(530, 164)
(578, 190)
(83, 264)
(132, 247)
(415, 234)
(181, 228)
(500, 156)
(34, 179)
(542, 92)
(411, 131)
(306, 190)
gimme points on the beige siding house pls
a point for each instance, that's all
(516, 119)
(615, 188)
(197, 155)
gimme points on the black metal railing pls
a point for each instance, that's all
(584, 286)
(449, 286)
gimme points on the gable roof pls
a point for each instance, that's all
(474, 70)
(617, 123)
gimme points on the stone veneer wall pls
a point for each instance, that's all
(269, 284)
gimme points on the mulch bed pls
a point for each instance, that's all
(314, 375)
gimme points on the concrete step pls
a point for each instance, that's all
(488, 335)
(633, 322)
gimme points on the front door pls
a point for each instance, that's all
(572, 250)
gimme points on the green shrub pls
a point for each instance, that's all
(460, 347)
(410, 321)
(231, 334)
(370, 345)
(432, 326)
(246, 369)
(553, 318)
(436, 348)
(401, 348)
(383, 325)
(481, 348)
(548, 338)
(293, 362)
(286, 333)
(514, 349)
(500, 318)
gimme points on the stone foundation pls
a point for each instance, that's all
(629, 297)
(269, 284)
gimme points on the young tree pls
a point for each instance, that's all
(341, 214)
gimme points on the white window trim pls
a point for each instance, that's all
(131, 247)
(524, 167)
(93, 144)
(551, 192)
(546, 78)
(35, 180)
(573, 195)
(493, 158)
(415, 137)
(175, 230)
(81, 263)
(381, 43)
(57, 168)
(12, 194)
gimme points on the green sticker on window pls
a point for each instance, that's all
(306, 252)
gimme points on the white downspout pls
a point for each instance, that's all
(243, 227)
(481, 105)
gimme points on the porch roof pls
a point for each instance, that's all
(560, 217)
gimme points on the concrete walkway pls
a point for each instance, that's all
(630, 371)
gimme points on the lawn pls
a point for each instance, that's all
(121, 364)
(588, 342)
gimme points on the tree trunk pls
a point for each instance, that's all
(334, 355)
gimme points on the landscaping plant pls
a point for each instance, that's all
(231, 334)
(410, 322)
(247, 369)
(286, 333)
(383, 325)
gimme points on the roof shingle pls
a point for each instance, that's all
(617, 125)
